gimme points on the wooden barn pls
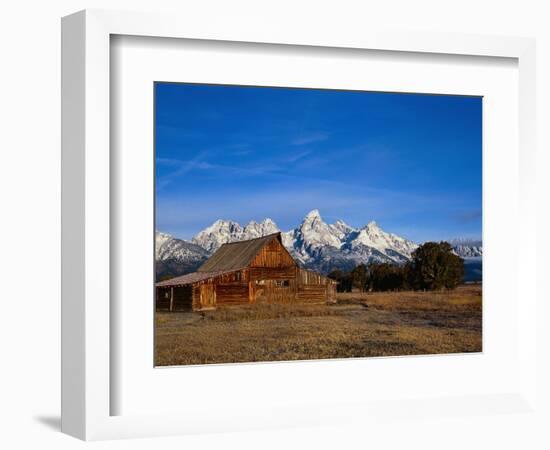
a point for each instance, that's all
(257, 270)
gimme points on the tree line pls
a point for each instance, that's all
(433, 266)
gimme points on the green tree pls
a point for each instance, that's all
(359, 277)
(343, 278)
(386, 277)
(435, 266)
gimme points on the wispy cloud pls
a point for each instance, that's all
(183, 167)
(309, 138)
(186, 166)
(297, 156)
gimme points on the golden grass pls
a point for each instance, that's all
(359, 325)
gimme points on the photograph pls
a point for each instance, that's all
(304, 224)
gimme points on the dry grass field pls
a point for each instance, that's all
(358, 325)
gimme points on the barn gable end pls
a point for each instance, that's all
(237, 255)
(273, 254)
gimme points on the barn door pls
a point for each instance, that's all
(208, 296)
(260, 291)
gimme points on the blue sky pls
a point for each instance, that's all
(411, 162)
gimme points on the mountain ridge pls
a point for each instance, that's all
(314, 244)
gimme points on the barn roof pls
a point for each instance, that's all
(236, 255)
(190, 278)
(229, 258)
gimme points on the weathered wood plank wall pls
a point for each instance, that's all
(273, 255)
(235, 293)
(264, 273)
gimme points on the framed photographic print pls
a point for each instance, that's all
(287, 285)
(256, 222)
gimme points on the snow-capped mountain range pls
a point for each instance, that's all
(467, 248)
(315, 244)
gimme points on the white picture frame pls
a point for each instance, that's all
(86, 217)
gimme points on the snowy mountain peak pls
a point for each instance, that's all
(254, 229)
(389, 246)
(225, 231)
(341, 225)
(312, 234)
(222, 224)
(226, 224)
(220, 232)
(372, 226)
(161, 238)
(342, 229)
(312, 215)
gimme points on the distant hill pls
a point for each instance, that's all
(175, 257)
